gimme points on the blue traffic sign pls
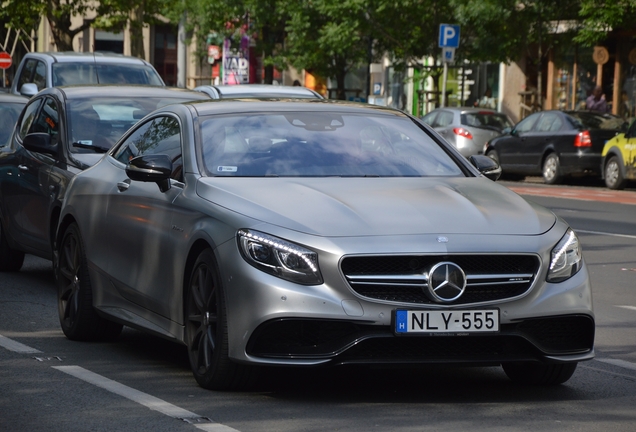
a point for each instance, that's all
(448, 36)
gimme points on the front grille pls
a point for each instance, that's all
(350, 342)
(471, 349)
(404, 278)
(558, 334)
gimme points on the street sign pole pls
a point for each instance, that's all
(444, 79)
(448, 41)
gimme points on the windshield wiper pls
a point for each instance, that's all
(96, 149)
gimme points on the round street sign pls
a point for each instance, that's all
(5, 60)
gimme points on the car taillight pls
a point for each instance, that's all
(583, 139)
(462, 132)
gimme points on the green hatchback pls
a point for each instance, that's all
(619, 159)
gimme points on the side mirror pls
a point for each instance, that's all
(487, 166)
(39, 142)
(29, 89)
(508, 130)
(151, 168)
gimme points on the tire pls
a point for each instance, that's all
(11, 260)
(493, 155)
(552, 169)
(544, 374)
(206, 330)
(78, 318)
(613, 174)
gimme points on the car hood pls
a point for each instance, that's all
(379, 206)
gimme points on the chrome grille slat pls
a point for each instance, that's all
(404, 279)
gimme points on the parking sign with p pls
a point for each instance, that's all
(448, 36)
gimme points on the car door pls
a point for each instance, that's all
(444, 125)
(547, 138)
(33, 203)
(11, 172)
(512, 149)
(139, 219)
(628, 151)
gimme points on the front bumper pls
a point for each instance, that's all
(276, 322)
(345, 342)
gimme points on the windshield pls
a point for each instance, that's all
(9, 113)
(306, 144)
(104, 73)
(487, 120)
(97, 123)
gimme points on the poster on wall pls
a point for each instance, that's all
(236, 60)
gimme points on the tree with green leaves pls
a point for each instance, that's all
(599, 18)
(327, 37)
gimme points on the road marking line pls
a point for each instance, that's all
(608, 372)
(12, 345)
(627, 307)
(619, 363)
(606, 233)
(142, 398)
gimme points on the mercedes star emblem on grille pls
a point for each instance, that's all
(446, 282)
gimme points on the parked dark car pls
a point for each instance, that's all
(62, 131)
(10, 108)
(314, 233)
(555, 144)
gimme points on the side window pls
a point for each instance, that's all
(27, 119)
(47, 121)
(549, 122)
(444, 118)
(429, 118)
(161, 135)
(39, 78)
(26, 75)
(526, 124)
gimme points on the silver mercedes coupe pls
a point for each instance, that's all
(315, 233)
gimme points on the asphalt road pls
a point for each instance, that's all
(141, 383)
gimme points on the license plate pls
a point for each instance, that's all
(446, 321)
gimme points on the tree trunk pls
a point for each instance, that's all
(61, 29)
(136, 31)
(341, 73)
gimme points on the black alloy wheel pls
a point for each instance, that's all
(613, 174)
(206, 330)
(78, 318)
(544, 374)
(10, 259)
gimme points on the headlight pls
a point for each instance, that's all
(566, 258)
(279, 257)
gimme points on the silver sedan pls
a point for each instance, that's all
(314, 233)
(468, 129)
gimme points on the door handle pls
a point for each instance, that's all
(23, 167)
(123, 186)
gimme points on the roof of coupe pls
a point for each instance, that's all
(97, 57)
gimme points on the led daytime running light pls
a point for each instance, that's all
(571, 239)
(281, 246)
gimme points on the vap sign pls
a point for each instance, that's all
(448, 36)
(236, 62)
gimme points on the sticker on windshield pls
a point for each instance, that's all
(86, 142)
(227, 169)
